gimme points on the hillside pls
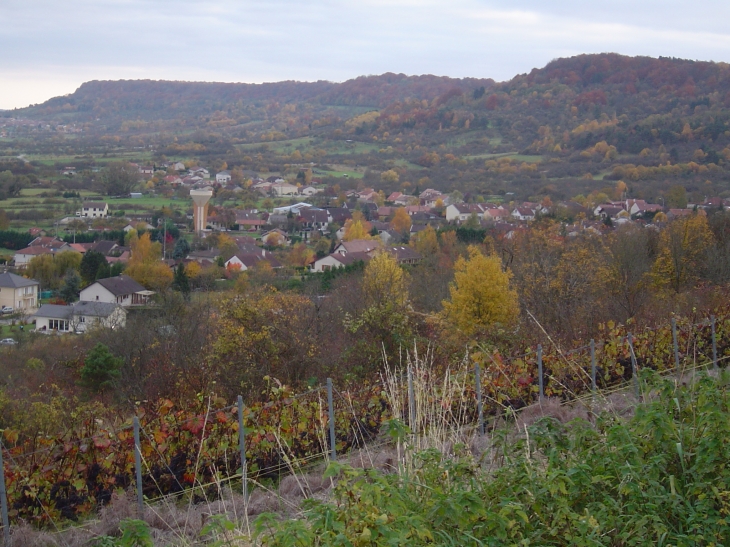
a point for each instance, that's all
(560, 131)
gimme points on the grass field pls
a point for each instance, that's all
(128, 155)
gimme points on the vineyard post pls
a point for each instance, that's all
(539, 372)
(411, 402)
(676, 345)
(242, 447)
(714, 343)
(138, 466)
(634, 371)
(480, 411)
(333, 448)
(4, 499)
(593, 367)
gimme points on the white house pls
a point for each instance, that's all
(523, 213)
(338, 260)
(223, 177)
(246, 261)
(24, 256)
(18, 292)
(284, 189)
(309, 191)
(79, 317)
(460, 212)
(94, 209)
(122, 290)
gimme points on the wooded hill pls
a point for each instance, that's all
(558, 131)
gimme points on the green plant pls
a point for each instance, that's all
(657, 478)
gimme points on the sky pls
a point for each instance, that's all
(50, 47)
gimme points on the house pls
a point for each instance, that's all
(339, 214)
(284, 189)
(204, 256)
(142, 225)
(246, 261)
(79, 317)
(405, 200)
(393, 196)
(338, 260)
(523, 213)
(404, 255)
(199, 172)
(47, 241)
(24, 256)
(105, 247)
(495, 213)
(246, 220)
(308, 191)
(295, 209)
(639, 207)
(122, 290)
(18, 292)
(146, 170)
(461, 212)
(223, 177)
(315, 219)
(358, 246)
(368, 194)
(275, 237)
(178, 166)
(606, 210)
(94, 209)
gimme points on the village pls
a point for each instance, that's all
(318, 230)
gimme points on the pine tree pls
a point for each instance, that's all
(69, 291)
(181, 282)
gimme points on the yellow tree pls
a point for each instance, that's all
(426, 242)
(401, 221)
(481, 294)
(263, 333)
(145, 265)
(67, 260)
(384, 321)
(682, 247)
(227, 246)
(42, 269)
(357, 229)
(301, 255)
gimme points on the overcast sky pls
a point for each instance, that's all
(50, 47)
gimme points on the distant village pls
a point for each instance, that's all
(393, 223)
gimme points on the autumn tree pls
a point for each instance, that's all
(145, 265)
(401, 221)
(65, 261)
(426, 242)
(630, 262)
(481, 294)
(42, 269)
(357, 227)
(390, 176)
(300, 255)
(119, 178)
(682, 248)
(385, 317)
(263, 333)
(677, 197)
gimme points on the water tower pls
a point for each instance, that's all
(200, 208)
